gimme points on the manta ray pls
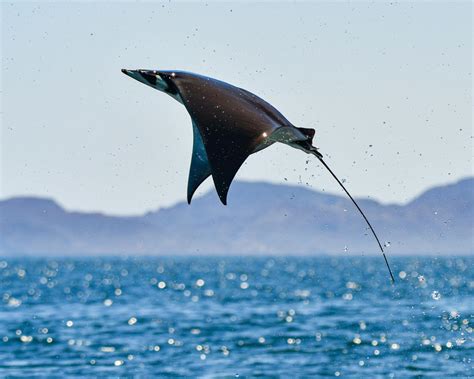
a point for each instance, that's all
(229, 124)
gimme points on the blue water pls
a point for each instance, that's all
(228, 317)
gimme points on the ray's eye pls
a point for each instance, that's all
(265, 134)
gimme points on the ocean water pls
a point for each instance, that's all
(236, 317)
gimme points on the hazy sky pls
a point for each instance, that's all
(387, 86)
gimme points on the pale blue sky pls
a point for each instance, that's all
(387, 86)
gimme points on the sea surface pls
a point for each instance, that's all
(216, 317)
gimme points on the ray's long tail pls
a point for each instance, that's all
(319, 156)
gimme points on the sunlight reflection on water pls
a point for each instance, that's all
(227, 316)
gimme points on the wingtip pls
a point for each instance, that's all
(223, 200)
(189, 196)
(222, 190)
(222, 197)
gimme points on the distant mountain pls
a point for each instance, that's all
(261, 218)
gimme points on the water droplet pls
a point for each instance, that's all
(352, 285)
(395, 346)
(435, 295)
(347, 296)
(26, 339)
(460, 341)
(14, 303)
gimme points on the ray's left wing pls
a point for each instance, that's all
(200, 168)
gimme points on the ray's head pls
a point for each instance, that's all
(155, 79)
